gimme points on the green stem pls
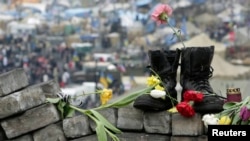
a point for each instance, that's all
(176, 33)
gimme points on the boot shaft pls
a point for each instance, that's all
(196, 60)
(196, 68)
(164, 62)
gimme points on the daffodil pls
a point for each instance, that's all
(172, 110)
(152, 80)
(106, 95)
(225, 120)
(158, 87)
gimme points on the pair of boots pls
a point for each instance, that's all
(195, 73)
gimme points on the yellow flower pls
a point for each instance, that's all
(224, 120)
(152, 80)
(106, 95)
(158, 87)
(173, 110)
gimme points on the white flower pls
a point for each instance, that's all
(157, 93)
(210, 119)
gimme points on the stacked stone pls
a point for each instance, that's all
(24, 113)
(26, 116)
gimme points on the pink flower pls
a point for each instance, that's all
(244, 113)
(161, 13)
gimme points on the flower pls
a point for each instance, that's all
(244, 113)
(224, 120)
(153, 80)
(185, 109)
(106, 95)
(209, 119)
(172, 110)
(191, 95)
(157, 93)
(158, 87)
(161, 13)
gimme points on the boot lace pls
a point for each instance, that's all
(201, 83)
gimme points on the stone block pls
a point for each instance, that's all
(12, 81)
(86, 138)
(27, 137)
(157, 122)
(30, 120)
(20, 101)
(50, 88)
(110, 114)
(76, 126)
(182, 126)
(129, 136)
(52, 132)
(130, 118)
(189, 138)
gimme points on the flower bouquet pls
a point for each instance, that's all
(234, 113)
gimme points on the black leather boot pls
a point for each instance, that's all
(165, 64)
(195, 73)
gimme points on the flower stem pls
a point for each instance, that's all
(176, 33)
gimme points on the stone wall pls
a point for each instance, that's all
(25, 116)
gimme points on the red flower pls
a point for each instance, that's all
(191, 95)
(161, 13)
(185, 109)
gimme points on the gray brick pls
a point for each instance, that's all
(157, 122)
(187, 126)
(50, 88)
(86, 138)
(189, 138)
(128, 136)
(31, 120)
(52, 132)
(130, 118)
(109, 114)
(12, 81)
(76, 126)
(21, 101)
(23, 138)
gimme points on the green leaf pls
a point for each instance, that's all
(236, 119)
(100, 131)
(124, 101)
(228, 105)
(53, 100)
(60, 107)
(69, 112)
(105, 121)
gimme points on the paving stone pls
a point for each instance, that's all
(157, 122)
(110, 114)
(189, 138)
(52, 132)
(20, 101)
(12, 81)
(27, 137)
(50, 88)
(76, 126)
(129, 136)
(86, 138)
(30, 120)
(130, 118)
(187, 126)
